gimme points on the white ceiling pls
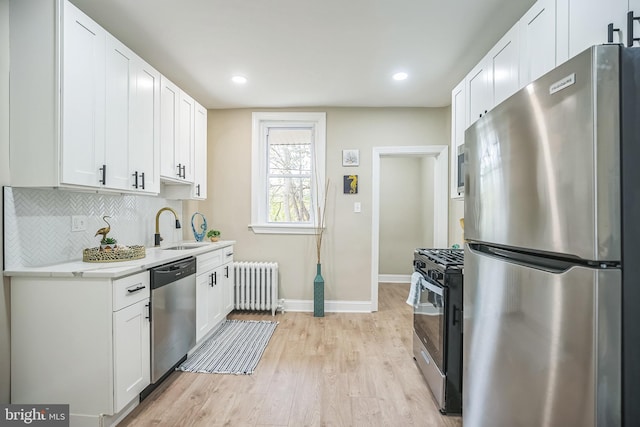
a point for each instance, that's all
(299, 53)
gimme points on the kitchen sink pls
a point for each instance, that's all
(185, 246)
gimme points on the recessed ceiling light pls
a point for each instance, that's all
(400, 76)
(239, 79)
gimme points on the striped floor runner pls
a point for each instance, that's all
(235, 348)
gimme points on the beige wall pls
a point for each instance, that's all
(456, 211)
(406, 211)
(346, 253)
(5, 372)
(428, 193)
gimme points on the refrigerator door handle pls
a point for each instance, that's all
(456, 315)
(537, 261)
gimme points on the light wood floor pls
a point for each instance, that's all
(340, 370)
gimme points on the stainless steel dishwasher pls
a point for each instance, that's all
(173, 315)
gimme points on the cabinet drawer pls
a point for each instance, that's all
(131, 289)
(208, 261)
(228, 254)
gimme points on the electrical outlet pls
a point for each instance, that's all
(78, 223)
(357, 207)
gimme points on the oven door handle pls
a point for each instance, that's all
(433, 288)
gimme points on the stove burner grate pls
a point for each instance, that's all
(445, 257)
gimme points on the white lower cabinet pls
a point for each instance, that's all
(80, 341)
(214, 289)
(131, 352)
(228, 281)
(208, 302)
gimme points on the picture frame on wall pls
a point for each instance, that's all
(350, 157)
(350, 184)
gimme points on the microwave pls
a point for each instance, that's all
(460, 177)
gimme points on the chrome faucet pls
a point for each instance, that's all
(156, 236)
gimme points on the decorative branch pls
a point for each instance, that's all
(320, 218)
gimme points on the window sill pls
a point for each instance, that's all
(282, 229)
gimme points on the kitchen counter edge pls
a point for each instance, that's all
(87, 270)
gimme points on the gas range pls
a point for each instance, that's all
(437, 324)
(434, 263)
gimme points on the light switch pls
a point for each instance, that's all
(357, 208)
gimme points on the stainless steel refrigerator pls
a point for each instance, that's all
(552, 269)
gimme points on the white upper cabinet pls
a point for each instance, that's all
(186, 136)
(177, 133)
(537, 35)
(458, 126)
(495, 78)
(83, 98)
(503, 67)
(478, 92)
(96, 101)
(197, 190)
(144, 149)
(200, 160)
(132, 131)
(169, 103)
(119, 93)
(549, 33)
(584, 23)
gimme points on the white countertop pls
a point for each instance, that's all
(154, 257)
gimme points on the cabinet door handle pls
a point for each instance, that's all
(148, 316)
(630, 21)
(103, 169)
(179, 170)
(226, 273)
(610, 31)
(142, 176)
(230, 254)
(215, 277)
(184, 171)
(139, 288)
(211, 279)
(198, 190)
(135, 182)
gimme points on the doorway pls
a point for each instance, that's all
(439, 195)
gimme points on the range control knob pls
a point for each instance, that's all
(435, 274)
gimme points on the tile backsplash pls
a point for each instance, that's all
(37, 223)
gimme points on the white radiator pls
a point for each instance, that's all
(256, 286)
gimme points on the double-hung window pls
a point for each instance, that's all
(288, 164)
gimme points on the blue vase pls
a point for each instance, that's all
(318, 293)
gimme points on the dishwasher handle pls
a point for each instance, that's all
(169, 273)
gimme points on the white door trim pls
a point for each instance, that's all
(440, 201)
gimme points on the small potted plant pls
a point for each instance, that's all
(108, 244)
(213, 235)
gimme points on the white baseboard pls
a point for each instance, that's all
(394, 278)
(329, 306)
